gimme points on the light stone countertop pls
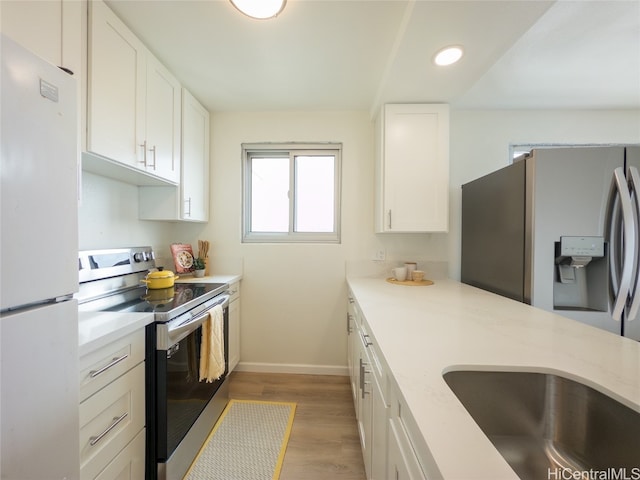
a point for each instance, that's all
(424, 332)
(218, 278)
(97, 329)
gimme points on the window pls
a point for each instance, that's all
(291, 193)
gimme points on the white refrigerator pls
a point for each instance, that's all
(39, 436)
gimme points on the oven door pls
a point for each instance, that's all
(178, 397)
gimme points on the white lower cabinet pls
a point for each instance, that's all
(112, 410)
(128, 464)
(352, 349)
(402, 463)
(369, 384)
(234, 325)
(365, 405)
(382, 417)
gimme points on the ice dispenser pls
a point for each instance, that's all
(581, 281)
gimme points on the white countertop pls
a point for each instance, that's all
(96, 329)
(426, 331)
(217, 278)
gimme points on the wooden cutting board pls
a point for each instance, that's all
(410, 283)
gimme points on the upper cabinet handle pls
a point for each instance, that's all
(153, 149)
(144, 153)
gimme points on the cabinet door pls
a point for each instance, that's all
(195, 158)
(234, 334)
(116, 70)
(380, 416)
(36, 25)
(352, 350)
(365, 406)
(129, 463)
(110, 419)
(413, 169)
(163, 113)
(402, 464)
(49, 28)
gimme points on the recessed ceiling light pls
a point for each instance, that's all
(448, 55)
(260, 9)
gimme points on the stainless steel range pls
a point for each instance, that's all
(180, 409)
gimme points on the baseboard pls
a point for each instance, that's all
(292, 368)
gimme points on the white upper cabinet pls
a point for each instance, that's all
(116, 71)
(412, 168)
(195, 158)
(189, 201)
(162, 108)
(133, 104)
(50, 29)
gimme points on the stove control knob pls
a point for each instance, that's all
(139, 257)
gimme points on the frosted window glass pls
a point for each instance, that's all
(314, 206)
(270, 194)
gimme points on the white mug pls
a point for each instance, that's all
(411, 267)
(400, 273)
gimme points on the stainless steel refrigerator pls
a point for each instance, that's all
(39, 424)
(559, 229)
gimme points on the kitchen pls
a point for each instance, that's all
(480, 135)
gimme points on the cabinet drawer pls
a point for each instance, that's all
(234, 291)
(102, 366)
(129, 464)
(109, 420)
(402, 462)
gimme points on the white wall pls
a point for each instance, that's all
(108, 217)
(293, 295)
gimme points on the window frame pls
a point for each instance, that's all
(291, 150)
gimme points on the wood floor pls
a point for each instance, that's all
(324, 442)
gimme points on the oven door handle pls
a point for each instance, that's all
(177, 333)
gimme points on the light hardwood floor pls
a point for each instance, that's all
(324, 442)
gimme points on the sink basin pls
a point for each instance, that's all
(543, 423)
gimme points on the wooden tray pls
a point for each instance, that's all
(410, 283)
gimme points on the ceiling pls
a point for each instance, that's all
(358, 54)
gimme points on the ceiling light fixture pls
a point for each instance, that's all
(260, 9)
(448, 55)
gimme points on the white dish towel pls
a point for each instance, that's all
(212, 346)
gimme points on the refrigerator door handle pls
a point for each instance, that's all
(629, 225)
(613, 238)
(633, 177)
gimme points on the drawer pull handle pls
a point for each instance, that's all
(116, 421)
(115, 361)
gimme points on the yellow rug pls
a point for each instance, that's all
(248, 442)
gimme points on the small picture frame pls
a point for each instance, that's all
(182, 257)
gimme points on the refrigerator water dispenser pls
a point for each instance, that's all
(581, 279)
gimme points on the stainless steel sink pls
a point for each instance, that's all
(543, 423)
